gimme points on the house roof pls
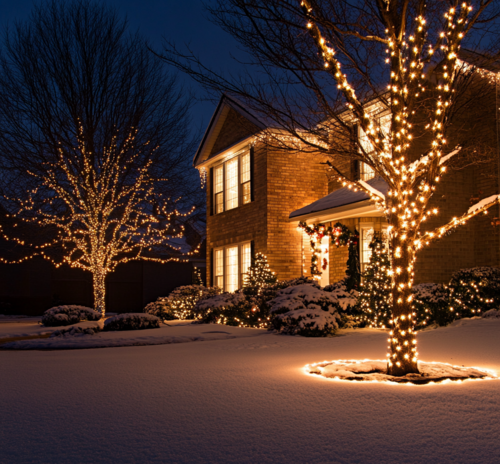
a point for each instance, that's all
(217, 121)
(339, 198)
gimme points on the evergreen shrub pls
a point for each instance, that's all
(132, 321)
(475, 290)
(181, 302)
(68, 314)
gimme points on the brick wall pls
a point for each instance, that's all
(244, 223)
(294, 180)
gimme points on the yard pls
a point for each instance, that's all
(245, 399)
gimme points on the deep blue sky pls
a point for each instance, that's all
(184, 21)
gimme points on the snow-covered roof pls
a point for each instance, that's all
(341, 197)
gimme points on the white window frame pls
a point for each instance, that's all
(225, 275)
(368, 226)
(243, 182)
(366, 172)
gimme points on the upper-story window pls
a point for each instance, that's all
(366, 172)
(232, 183)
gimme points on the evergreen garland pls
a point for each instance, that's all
(340, 236)
(375, 295)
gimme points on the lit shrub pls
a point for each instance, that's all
(180, 303)
(431, 305)
(473, 291)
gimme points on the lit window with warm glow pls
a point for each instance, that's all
(366, 238)
(231, 269)
(219, 268)
(246, 259)
(246, 196)
(219, 189)
(230, 265)
(232, 184)
(366, 172)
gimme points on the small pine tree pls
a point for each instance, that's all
(259, 274)
(197, 280)
(375, 296)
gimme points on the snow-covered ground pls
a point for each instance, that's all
(247, 400)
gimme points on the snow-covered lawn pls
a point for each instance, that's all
(247, 400)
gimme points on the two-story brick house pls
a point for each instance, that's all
(256, 196)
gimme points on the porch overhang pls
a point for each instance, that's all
(365, 208)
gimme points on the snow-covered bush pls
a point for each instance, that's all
(431, 303)
(235, 309)
(241, 308)
(180, 303)
(68, 314)
(306, 310)
(72, 331)
(348, 301)
(132, 321)
(492, 314)
(473, 291)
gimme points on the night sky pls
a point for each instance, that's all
(185, 22)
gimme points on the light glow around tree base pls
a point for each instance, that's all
(374, 371)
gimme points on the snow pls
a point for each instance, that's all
(247, 400)
(375, 371)
(373, 191)
(342, 197)
(483, 203)
(425, 159)
(175, 332)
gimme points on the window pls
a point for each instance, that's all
(219, 268)
(366, 172)
(219, 189)
(366, 238)
(230, 265)
(232, 183)
(245, 179)
(246, 260)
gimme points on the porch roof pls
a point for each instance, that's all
(343, 202)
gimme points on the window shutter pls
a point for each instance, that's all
(252, 177)
(252, 251)
(211, 190)
(212, 267)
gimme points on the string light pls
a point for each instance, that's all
(411, 184)
(107, 219)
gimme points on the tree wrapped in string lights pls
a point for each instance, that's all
(93, 137)
(259, 275)
(321, 63)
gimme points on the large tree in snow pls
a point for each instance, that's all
(93, 140)
(312, 66)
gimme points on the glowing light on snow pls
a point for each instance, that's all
(308, 369)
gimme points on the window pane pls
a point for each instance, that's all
(218, 187)
(232, 184)
(219, 263)
(247, 196)
(366, 238)
(219, 203)
(366, 172)
(231, 269)
(246, 258)
(245, 168)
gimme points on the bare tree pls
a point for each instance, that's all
(313, 66)
(93, 141)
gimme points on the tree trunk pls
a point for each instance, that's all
(402, 358)
(99, 278)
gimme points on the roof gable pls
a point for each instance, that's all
(231, 123)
